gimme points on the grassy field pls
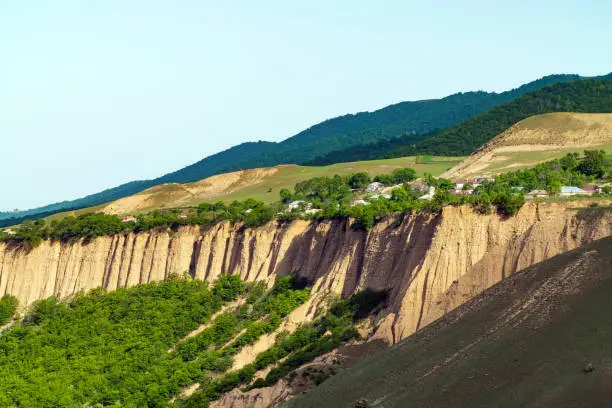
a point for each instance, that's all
(260, 184)
(509, 161)
(540, 338)
(288, 176)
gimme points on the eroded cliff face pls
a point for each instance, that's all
(430, 263)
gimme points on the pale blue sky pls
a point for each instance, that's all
(97, 93)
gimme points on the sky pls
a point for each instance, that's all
(98, 93)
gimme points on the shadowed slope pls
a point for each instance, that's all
(531, 340)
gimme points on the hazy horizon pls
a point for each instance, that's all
(96, 95)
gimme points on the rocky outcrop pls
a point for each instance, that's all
(256, 398)
(430, 263)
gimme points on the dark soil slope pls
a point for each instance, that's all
(541, 338)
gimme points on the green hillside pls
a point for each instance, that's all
(411, 120)
(540, 338)
(590, 96)
(137, 347)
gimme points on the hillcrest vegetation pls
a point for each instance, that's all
(357, 196)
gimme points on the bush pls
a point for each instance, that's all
(403, 175)
(8, 308)
(359, 180)
(509, 204)
(228, 287)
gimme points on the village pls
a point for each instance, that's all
(377, 190)
(461, 187)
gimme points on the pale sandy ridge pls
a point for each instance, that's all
(177, 195)
(554, 133)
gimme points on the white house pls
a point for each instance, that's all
(128, 218)
(429, 195)
(184, 214)
(299, 204)
(377, 196)
(9, 231)
(295, 204)
(359, 202)
(567, 191)
(373, 187)
(460, 183)
(536, 194)
(312, 210)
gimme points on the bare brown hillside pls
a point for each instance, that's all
(537, 139)
(177, 195)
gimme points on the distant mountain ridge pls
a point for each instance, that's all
(414, 121)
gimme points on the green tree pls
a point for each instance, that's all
(569, 162)
(444, 184)
(403, 175)
(400, 194)
(8, 308)
(553, 188)
(385, 179)
(509, 204)
(593, 163)
(359, 180)
(285, 195)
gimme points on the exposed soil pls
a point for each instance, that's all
(555, 134)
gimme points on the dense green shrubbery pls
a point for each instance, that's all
(8, 308)
(570, 170)
(108, 348)
(307, 342)
(262, 313)
(112, 348)
(251, 212)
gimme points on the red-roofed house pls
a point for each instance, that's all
(184, 214)
(590, 189)
(128, 218)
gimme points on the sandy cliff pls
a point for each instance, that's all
(430, 263)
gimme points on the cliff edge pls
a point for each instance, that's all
(429, 263)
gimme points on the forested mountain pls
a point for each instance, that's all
(592, 96)
(412, 121)
(210, 165)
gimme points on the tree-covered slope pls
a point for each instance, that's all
(138, 347)
(124, 348)
(589, 96)
(592, 96)
(410, 120)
